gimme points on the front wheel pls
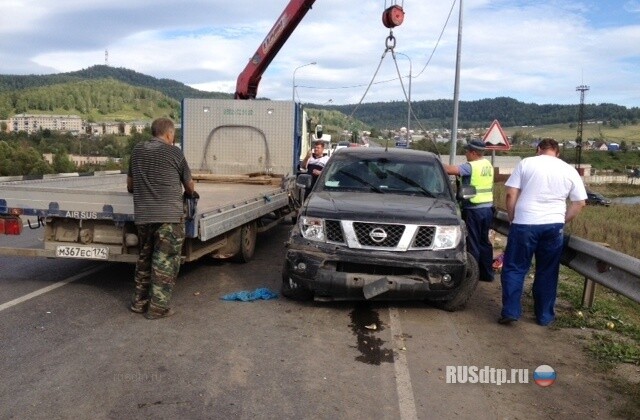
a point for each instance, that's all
(460, 298)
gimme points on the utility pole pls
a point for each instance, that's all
(582, 89)
(456, 94)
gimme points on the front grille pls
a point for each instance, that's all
(334, 231)
(424, 238)
(373, 234)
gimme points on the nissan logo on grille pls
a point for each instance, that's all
(378, 235)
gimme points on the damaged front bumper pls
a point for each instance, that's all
(335, 272)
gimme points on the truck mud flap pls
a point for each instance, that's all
(376, 288)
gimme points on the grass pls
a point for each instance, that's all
(614, 326)
(622, 230)
(617, 190)
(564, 132)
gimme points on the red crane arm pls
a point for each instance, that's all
(248, 80)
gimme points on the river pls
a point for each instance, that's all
(626, 200)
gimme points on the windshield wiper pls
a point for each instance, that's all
(411, 182)
(362, 181)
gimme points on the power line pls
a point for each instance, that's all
(435, 47)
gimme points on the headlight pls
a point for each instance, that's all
(447, 237)
(312, 228)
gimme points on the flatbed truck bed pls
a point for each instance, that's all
(100, 210)
(234, 149)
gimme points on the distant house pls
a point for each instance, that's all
(32, 123)
(82, 160)
(117, 128)
(600, 145)
(136, 127)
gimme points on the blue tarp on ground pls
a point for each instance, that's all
(245, 296)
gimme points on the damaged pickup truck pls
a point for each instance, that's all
(380, 224)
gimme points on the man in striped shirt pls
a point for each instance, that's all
(158, 171)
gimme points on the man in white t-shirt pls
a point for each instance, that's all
(537, 193)
(315, 161)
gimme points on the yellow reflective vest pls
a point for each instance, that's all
(482, 179)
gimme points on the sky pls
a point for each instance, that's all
(535, 51)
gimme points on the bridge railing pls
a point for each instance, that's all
(597, 263)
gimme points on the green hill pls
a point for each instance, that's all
(94, 100)
(67, 95)
(171, 88)
(480, 113)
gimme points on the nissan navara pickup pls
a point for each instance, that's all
(380, 224)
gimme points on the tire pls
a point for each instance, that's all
(248, 236)
(293, 290)
(459, 300)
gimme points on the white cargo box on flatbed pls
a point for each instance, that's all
(235, 137)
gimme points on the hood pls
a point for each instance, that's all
(374, 207)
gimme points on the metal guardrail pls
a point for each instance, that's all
(607, 267)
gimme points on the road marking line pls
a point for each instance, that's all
(403, 379)
(44, 290)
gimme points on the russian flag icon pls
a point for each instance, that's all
(544, 375)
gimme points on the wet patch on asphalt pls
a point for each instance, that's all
(365, 324)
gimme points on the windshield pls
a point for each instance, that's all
(385, 176)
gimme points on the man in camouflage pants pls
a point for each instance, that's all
(157, 173)
(160, 249)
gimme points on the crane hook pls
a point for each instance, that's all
(393, 16)
(390, 42)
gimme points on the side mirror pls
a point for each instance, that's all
(304, 181)
(466, 192)
(318, 131)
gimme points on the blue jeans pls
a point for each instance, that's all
(523, 242)
(478, 222)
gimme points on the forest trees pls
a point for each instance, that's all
(22, 153)
(15, 160)
(104, 97)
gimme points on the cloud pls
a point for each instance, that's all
(534, 51)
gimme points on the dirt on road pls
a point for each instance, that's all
(581, 389)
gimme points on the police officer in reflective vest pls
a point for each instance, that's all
(477, 212)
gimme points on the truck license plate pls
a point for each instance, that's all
(89, 252)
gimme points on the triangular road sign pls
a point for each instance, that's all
(495, 138)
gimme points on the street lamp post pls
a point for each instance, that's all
(408, 98)
(293, 83)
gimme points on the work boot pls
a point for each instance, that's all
(155, 312)
(139, 306)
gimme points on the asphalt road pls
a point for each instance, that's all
(70, 348)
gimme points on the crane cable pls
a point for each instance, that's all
(433, 51)
(412, 114)
(390, 44)
(392, 16)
